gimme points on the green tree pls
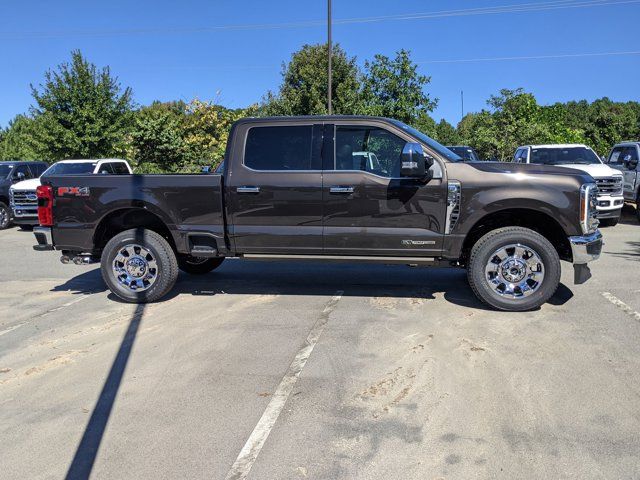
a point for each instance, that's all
(157, 143)
(17, 140)
(304, 84)
(446, 134)
(84, 111)
(394, 88)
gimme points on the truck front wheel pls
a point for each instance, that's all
(198, 265)
(139, 266)
(514, 269)
(5, 216)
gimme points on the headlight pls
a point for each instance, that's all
(588, 210)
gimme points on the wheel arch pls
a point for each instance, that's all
(541, 222)
(126, 218)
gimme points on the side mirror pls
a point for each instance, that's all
(414, 161)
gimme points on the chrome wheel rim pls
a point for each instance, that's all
(515, 271)
(4, 217)
(135, 267)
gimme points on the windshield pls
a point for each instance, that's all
(5, 170)
(564, 156)
(430, 142)
(70, 168)
(466, 153)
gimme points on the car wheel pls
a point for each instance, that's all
(5, 216)
(139, 266)
(514, 269)
(198, 265)
(609, 222)
(638, 208)
(26, 228)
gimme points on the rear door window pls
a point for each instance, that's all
(280, 148)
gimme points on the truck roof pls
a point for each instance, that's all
(21, 162)
(320, 118)
(557, 145)
(92, 160)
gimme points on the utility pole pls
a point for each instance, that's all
(329, 109)
(462, 102)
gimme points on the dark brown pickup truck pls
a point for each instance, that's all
(353, 189)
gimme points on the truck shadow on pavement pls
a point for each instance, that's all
(317, 279)
(85, 456)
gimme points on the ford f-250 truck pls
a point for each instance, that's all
(300, 188)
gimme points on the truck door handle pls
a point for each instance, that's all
(343, 190)
(248, 189)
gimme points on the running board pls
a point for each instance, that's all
(344, 258)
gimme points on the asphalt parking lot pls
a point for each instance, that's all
(407, 375)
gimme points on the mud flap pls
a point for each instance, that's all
(581, 273)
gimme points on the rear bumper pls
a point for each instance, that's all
(44, 239)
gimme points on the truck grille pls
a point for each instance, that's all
(609, 186)
(24, 197)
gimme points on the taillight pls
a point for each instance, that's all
(45, 205)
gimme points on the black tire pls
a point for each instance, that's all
(161, 253)
(198, 265)
(638, 209)
(609, 222)
(483, 252)
(5, 216)
(26, 228)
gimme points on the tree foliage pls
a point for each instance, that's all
(304, 86)
(394, 88)
(83, 110)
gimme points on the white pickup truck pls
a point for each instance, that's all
(581, 157)
(22, 195)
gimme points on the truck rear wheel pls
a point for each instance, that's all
(139, 266)
(514, 269)
(198, 265)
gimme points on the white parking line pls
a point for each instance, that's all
(65, 305)
(241, 467)
(621, 305)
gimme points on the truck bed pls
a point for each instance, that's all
(189, 206)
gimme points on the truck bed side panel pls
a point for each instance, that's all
(184, 203)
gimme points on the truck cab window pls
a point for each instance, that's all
(119, 168)
(279, 148)
(616, 156)
(369, 149)
(24, 170)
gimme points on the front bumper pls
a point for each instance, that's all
(584, 249)
(44, 239)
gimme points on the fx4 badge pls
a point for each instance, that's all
(75, 191)
(418, 242)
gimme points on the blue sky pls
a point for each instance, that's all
(169, 50)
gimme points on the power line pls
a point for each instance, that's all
(512, 8)
(531, 57)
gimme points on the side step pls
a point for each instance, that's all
(423, 261)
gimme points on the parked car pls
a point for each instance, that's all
(467, 153)
(10, 173)
(624, 157)
(290, 191)
(24, 203)
(581, 157)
